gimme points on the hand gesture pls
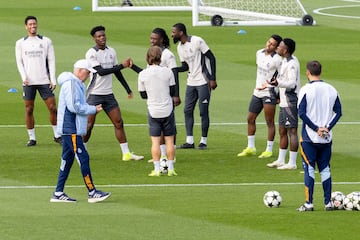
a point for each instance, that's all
(126, 62)
(99, 108)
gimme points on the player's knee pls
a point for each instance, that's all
(29, 110)
(119, 124)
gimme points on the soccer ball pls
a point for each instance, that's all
(272, 199)
(163, 166)
(337, 199)
(352, 201)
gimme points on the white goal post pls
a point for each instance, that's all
(219, 12)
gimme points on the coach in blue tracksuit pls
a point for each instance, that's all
(320, 109)
(72, 123)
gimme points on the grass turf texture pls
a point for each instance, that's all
(143, 207)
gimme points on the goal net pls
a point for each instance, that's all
(220, 12)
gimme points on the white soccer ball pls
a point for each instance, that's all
(352, 201)
(272, 199)
(337, 199)
(163, 166)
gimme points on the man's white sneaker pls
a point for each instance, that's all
(287, 167)
(275, 164)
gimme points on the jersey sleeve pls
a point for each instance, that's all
(91, 57)
(51, 61)
(202, 45)
(19, 60)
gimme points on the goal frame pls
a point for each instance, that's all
(216, 18)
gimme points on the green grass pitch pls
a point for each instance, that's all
(216, 194)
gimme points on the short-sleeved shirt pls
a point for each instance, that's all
(192, 52)
(156, 81)
(106, 58)
(168, 59)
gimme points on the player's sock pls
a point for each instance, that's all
(124, 147)
(157, 166)
(170, 164)
(269, 146)
(251, 141)
(203, 140)
(31, 133)
(58, 193)
(163, 149)
(292, 158)
(282, 155)
(190, 139)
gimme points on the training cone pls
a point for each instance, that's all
(77, 8)
(241, 31)
(12, 90)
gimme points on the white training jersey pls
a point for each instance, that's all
(35, 59)
(289, 81)
(192, 52)
(156, 81)
(267, 64)
(320, 98)
(101, 85)
(168, 59)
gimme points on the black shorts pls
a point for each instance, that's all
(257, 104)
(162, 125)
(288, 117)
(29, 92)
(108, 102)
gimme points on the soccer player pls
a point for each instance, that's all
(196, 58)
(320, 109)
(103, 59)
(35, 59)
(288, 82)
(157, 85)
(158, 37)
(72, 119)
(264, 96)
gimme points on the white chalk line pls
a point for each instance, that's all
(178, 185)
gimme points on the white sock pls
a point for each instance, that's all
(157, 166)
(31, 133)
(56, 135)
(292, 158)
(58, 193)
(269, 146)
(190, 139)
(309, 205)
(170, 164)
(251, 141)
(124, 147)
(282, 155)
(163, 149)
(203, 140)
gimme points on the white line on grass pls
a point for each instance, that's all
(320, 11)
(178, 185)
(180, 124)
